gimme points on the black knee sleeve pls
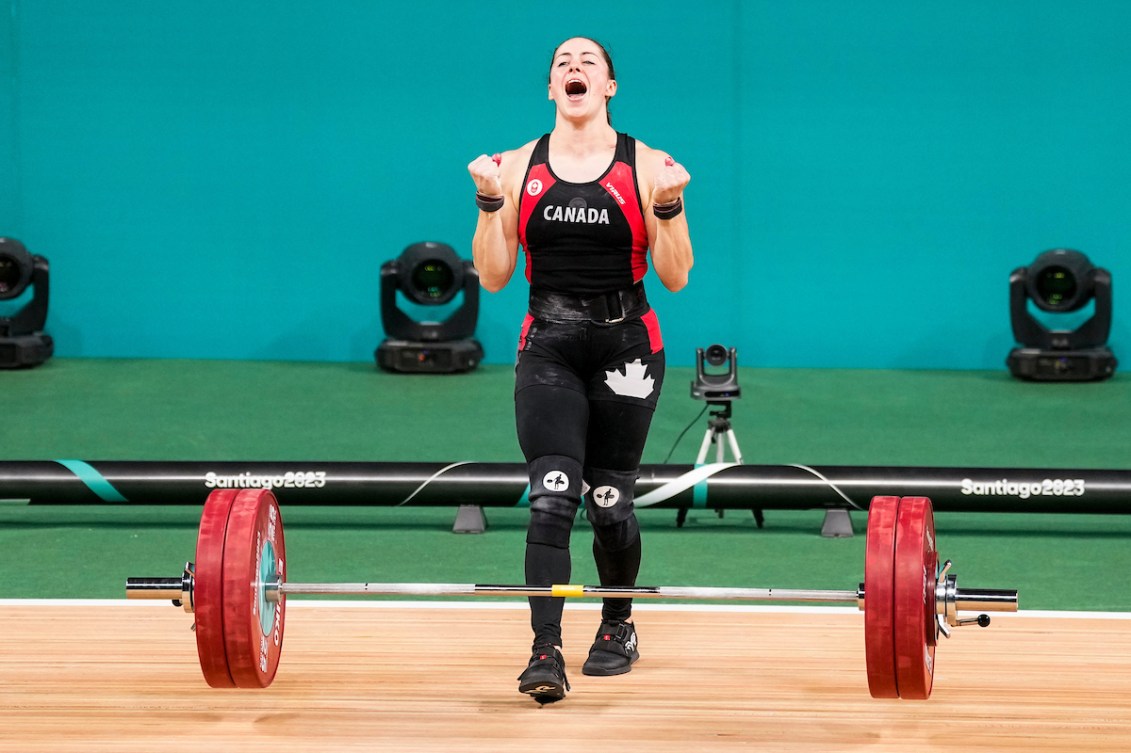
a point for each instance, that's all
(555, 493)
(609, 499)
(617, 537)
(549, 529)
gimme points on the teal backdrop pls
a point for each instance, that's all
(223, 180)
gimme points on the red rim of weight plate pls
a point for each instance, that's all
(916, 573)
(879, 577)
(254, 552)
(207, 591)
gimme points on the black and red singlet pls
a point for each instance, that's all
(583, 238)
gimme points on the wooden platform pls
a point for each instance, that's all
(124, 677)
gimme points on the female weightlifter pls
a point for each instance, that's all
(586, 204)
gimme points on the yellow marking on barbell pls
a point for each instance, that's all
(567, 591)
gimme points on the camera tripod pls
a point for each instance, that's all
(718, 429)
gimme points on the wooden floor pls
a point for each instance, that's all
(124, 677)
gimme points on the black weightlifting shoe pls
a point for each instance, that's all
(613, 651)
(544, 678)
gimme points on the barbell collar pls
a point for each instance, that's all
(154, 588)
(985, 600)
(177, 590)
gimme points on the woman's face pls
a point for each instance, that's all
(579, 78)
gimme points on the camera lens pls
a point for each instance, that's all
(15, 273)
(9, 274)
(716, 355)
(432, 277)
(1056, 285)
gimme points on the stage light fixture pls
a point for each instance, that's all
(23, 343)
(1060, 281)
(429, 274)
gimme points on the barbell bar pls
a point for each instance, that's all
(237, 590)
(174, 589)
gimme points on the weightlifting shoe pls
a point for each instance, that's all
(613, 651)
(544, 678)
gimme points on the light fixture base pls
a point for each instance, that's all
(413, 357)
(1037, 365)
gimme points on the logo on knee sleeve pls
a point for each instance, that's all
(555, 481)
(605, 496)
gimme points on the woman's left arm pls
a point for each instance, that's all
(662, 182)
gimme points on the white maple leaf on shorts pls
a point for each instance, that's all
(632, 382)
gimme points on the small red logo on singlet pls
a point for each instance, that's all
(534, 187)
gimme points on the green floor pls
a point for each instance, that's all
(95, 409)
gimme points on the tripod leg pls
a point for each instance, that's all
(720, 455)
(734, 446)
(759, 518)
(708, 438)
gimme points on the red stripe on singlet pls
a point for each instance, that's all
(652, 324)
(538, 181)
(522, 335)
(620, 183)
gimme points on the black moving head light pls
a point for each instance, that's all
(23, 343)
(429, 274)
(1060, 281)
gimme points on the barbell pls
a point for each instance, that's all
(237, 591)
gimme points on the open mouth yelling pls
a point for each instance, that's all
(575, 89)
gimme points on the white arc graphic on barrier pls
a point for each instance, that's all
(702, 473)
(681, 484)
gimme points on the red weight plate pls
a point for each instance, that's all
(254, 554)
(916, 573)
(879, 577)
(207, 591)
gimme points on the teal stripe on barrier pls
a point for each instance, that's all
(699, 493)
(94, 480)
(524, 500)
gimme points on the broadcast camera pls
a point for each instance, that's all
(715, 386)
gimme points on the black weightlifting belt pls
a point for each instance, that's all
(605, 308)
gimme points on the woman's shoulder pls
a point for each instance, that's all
(648, 157)
(515, 159)
(513, 162)
(523, 151)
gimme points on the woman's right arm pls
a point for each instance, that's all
(494, 248)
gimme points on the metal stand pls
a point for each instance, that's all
(718, 428)
(470, 519)
(837, 524)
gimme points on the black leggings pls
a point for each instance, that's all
(585, 394)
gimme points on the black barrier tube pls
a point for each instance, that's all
(712, 486)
